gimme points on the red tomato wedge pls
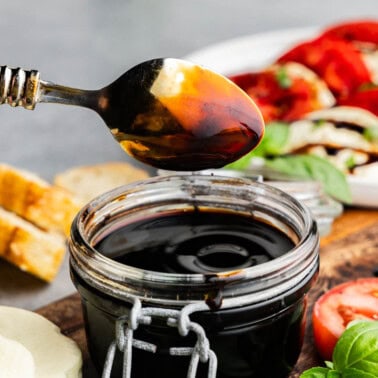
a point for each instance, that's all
(337, 62)
(366, 99)
(336, 308)
(355, 31)
(279, 95)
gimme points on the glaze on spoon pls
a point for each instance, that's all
(168, 113)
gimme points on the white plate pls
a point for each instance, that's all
(253, 52)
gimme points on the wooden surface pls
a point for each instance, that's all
(350, 251)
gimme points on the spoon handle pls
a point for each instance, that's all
(24, 88)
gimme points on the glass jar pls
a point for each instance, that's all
(250, 320)
(323, 208)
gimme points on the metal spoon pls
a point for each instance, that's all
(167, 113)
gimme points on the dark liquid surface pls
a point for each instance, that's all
(195, 242)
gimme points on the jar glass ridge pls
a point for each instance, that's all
(259, 293)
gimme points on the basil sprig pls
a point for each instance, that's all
(283, 78)
(355, 354)
(275, 137)
(316, 168)
(272, 150)
(371, 134)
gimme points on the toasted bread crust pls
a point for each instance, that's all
(30, 248)
(30, 197)
(87, 182)
(35, 216)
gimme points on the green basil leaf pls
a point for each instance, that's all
(350, 162)
(283, 79)
(241, 164)
(316, 168)
(354, 373)
(320, 372)
(329, 364)
(355, 354)
(275, 138)
(357, 349)
(334, 374)
(371, 134)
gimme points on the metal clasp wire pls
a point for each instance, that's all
(125, 341)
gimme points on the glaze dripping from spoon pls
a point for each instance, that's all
(168, 113)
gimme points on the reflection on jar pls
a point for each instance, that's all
(238, 256)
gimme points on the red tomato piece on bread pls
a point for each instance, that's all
(285, 92)
(336, 61)
(337, 307)
(365, 99)
(365, 31)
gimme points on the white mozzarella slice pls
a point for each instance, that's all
(368, 171)
(305, 132)
(15, 360)
(55, 355)
(346, 114)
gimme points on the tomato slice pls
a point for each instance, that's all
(279, 95)
(366, 99)
(355, 31)
(337, 62)
(336, 308)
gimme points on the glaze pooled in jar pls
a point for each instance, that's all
(173, 241)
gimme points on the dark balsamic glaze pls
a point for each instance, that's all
(257, 340)
(208, 123)
(195, 242)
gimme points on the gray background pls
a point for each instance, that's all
(88, 44)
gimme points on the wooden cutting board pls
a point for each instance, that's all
(350, 251)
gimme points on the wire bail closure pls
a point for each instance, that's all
(125, 341)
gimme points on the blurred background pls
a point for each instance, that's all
(89, 43)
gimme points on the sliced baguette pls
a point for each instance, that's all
(24, 193)
(30, 248)
(87, 182)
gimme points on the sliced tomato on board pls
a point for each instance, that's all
(336, 308)
(278, 95)
(336, 61)
(365, 31)
(366, 99)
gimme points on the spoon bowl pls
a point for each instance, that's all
(168, 113)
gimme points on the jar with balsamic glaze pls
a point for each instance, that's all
(175, 270)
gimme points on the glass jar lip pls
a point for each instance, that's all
(257, 270)
(308, 191)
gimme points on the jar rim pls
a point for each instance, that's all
(110, 275)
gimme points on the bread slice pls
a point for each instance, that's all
(30, 248)
(87, 182)
(35, 216)
(47, 206)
